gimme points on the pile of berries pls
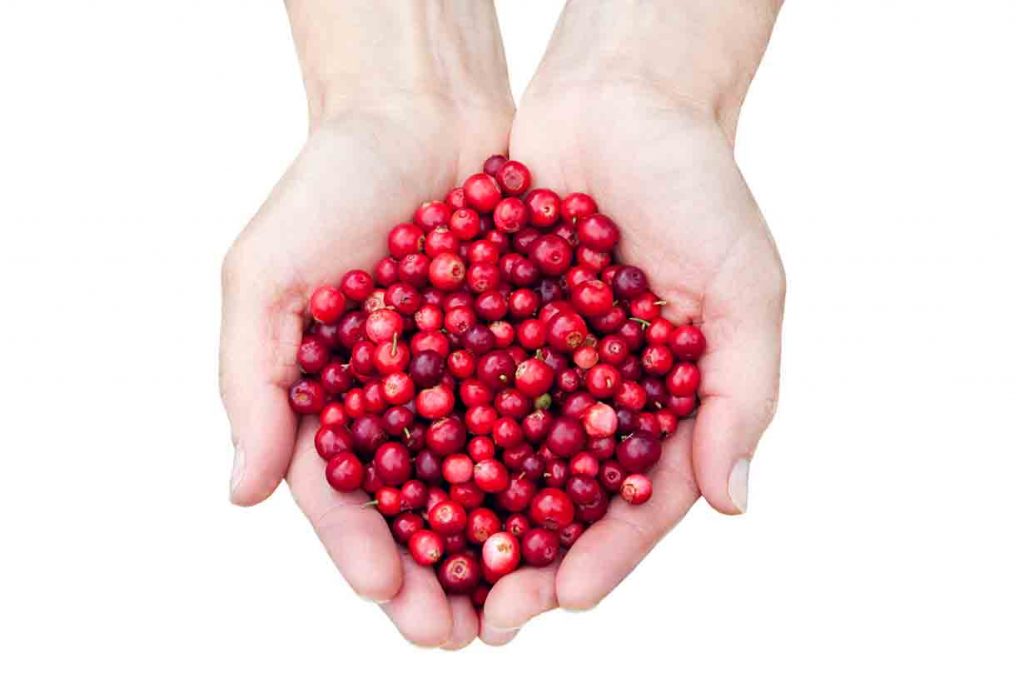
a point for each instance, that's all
(497, 379)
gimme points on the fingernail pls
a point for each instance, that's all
(237, 468)
(738, 484)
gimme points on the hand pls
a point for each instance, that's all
(376, 150)
(661, 164)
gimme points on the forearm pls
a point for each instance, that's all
(704, 52)
(357, 52)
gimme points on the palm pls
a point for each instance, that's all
(667, 176)
(357, 176)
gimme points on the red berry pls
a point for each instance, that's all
(593, 298)
(494, 163)
(447, 272)
(499, 556)
(482, 192)
(307, 397)
(457, 468)
(392, 464)
(426, 547)
(688, 342)
(552, 254)
(510, 215)
(459, 574)
(482, 523)
(404, 239)
(683, 379)
(491, 476)
(636, 489)
(566, 332)
(345, 472)
(576, 206)
(638, 452)
(327, 304)
(431, 215)
(544, 207)
(539, 547)
(598, 232)
(447, 517)
(551, 508)
(357, 284)
(513, 178)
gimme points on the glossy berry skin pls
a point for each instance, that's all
(327, 304)
(482, 192)
(552, 254)
(598, 232)
(534, 377)
(499, 556)
(639, 452)
(345, 472)
(426, 547)
(566, 332)
(513, 177)
(392, 464)
(405, 525)
(331, 441)
(447, 271)
(307, 397)
(447, 518)
(405, 239)
(544, 207)
(593, 298)
(576, 206)
(629, 282)
(510, 215)
(459, 574)
(688, 342)
(491, 476)
(357, 285)
(539, 547)
(552, 509)
(683, 379)
(636, 489)
(482, 523)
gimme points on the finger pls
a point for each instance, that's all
(493, 636)
(465, 624)
(610, 549)
(420, 610)
(357, 538)
(520, 596)
(257, 353)
(740, 381)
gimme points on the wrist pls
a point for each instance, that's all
(699, 53)
(370, 54)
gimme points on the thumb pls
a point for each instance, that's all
(259, 339)
(740, 381)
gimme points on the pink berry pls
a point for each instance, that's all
(636, 489)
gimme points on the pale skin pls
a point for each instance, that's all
(393, 127)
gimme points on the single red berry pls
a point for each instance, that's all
(551, 508)
(405, 525)
(683, 379)
(331, 441)
(327, 304)
(414, 494)
(447, 272)
(603, 380)
(638, 452)
(583, 490)
(566, 332)
(307, 397)
(389, 501)
(629, 282)
(539, 547)
(570, 534)
(544, 207)
(510, 215)
(459, 574)
(467, 494)
(482, 192)
(333, 414)
(392, 464)
(435, 402)
(534, 377)
(611, 476)
(517, 496)
(513, 177)
(656, 360)
(404, 239)
(345, 472)
(465, 224)
(313, 355)
(383, 325)
(433, 214)
(426, 547)
(688, 342)
(494, 163)
(491, 476)
(517, 524)
(636, 489)
(481, 524)
(584, 464)
(577, 206)
(357, 284)
(592, 298)
(457, 468)
(455, 198)
(441, 241)
(447, 517)
(598, 232)
(499, 556)
(552, 254)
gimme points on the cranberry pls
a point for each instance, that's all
(447, 272)
(583, 490)
(603, 380)
(313, 354)
(683, 379)
(392, 464)
(544, 207)
(494, 163)
(457, 468)
(688, 342)
(467, 494)
(447, 517)
(513, 177)
(517, 496)
(331, 441)
(491, 476)
(611, 476)
(345, 472)
(327, 304)
(551, 508)
(534, 377)
(577, 206)
(656, 360)
(357, 284)
(629, 282)
(414, 494)
(566, 332)
(481, 524)
(431, 215)
(333, 415)
(638, 452)
(592, 298)
(465, 224)
(636, 489)
(405, 525)
(441, 241)
(570, 534)
(552, 254)
(496, 369)
(426, 547)
(404, 239)
(307, 397)
(481, 448)
(482, 192)
(510, 215)
(500, 555)
(389, 501)
(459, 574)
(598, 232)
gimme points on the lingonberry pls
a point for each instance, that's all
(499, 555)
(405, 525)
(333, 415)
(467, 494)
(332, 440)
(482, 192)
(447, 517)
(510, 215)
(638, 452)
(491, 476)
(496, 369)
(405, 239)
(481, 524)
(457, 468)
(577, 206)
(481, 448)
(584, 464)
(551, 254)
(357, 284)
(414, 269)
(683, 379)
(441, 241)
(430, 215)
(513, 177)
(570, 534)
(392, 463)
(517, 496)
(603, 380)
(629, 282)
(597, 232)
(426, 547)
(414, 494)
(544, 207)
(345, 472)
(636, 489)
(307, 397)
(551, 508)
(459, 574)
(583, 490)
(327, 304)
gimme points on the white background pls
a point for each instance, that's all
(883, 140)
